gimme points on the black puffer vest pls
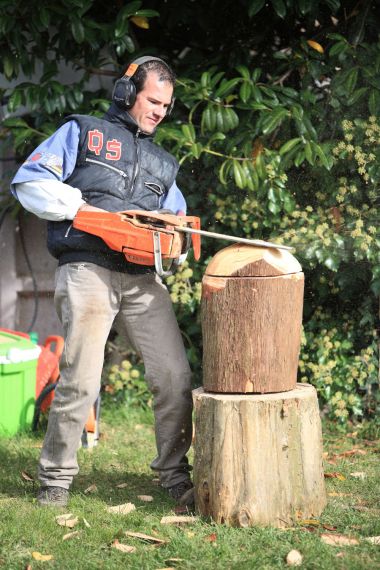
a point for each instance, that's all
(118, 168)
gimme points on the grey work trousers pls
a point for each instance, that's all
(87, 299)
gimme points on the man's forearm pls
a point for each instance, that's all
(49, 199)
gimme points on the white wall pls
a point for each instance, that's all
(17, 297)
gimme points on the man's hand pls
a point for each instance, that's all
(89, 208)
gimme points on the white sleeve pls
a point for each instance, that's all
(49, 199)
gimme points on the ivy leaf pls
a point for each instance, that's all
(304, 6)
(255, 7)
(351, 80)
(77, 30)
(279, 8)
(374, 102)
(289, 145)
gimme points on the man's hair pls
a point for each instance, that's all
(164, 72)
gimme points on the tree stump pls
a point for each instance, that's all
(252, 302)
(258, 458)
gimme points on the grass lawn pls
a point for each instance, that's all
(352, 464)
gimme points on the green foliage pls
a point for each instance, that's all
(125, 383)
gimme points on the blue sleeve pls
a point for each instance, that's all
(174, 200)
(54, 158)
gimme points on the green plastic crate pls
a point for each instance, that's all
(18, 369)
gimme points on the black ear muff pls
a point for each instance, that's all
(124, 91)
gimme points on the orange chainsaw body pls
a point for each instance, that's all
(132, 233)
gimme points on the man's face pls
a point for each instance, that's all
(152, 103)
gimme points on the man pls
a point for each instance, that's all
(110, 164)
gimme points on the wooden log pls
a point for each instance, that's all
(252, 302)
(258, 458)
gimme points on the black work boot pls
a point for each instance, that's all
(53, 497)
(183, 493)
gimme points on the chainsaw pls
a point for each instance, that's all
(148, 238)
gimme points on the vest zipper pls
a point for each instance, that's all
(136, 166)
(121, 172)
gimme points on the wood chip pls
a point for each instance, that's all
(145, 498)
(373, 540)
(42, 557)
(91, 489)
(145, 537)
(335, 475)
(27, 477)
(124, 509)
(294, 558)
(70, 535)
(359, 475)
(123, 547)
(338, 540)
(68, 520)
(179, 520)
(122, 486)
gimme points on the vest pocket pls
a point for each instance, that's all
(154, 187)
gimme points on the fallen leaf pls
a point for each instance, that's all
(27, 477)
(315, 45)
(294, 558)
(122, 486)
(181, 510)
(359, 475)
(351, 452)
(190, 534)
(28, 567)
(42, 557)
(145, 537)
(140, 22)
(373, 540)
(309, 528)
(67, 519)
(335, 475)
(178, 520)
(338, 540)
(91, 489)
(123, 547)
(145, 498)
(124, 509)
(309, 522)
(329, 527)
(71, 535)
(334, 494)
(340, 555)
(211, 537)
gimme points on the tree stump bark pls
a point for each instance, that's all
(258, 458)
(252, 302)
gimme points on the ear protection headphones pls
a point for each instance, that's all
(124, 91)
